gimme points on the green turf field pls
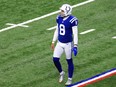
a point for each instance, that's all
(25, 54)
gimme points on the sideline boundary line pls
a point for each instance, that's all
(95, 78)
(41, 17)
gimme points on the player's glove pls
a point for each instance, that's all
(75, 51)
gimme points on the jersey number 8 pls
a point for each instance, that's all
(62, 29)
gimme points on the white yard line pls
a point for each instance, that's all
(16, 24)
(87, 31)
(41, 17)
(114, 37)
(10, 24)
(52, 28)
(80, 4)
(83, 3)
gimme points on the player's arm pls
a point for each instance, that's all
(75, 35)
(75, 39)
(55, 37)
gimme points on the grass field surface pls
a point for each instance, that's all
(25, 54)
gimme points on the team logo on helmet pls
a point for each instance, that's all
(67, 9)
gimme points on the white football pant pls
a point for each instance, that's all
(63, 47)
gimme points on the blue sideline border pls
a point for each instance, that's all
(92, 77)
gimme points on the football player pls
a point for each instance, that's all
(66, 35)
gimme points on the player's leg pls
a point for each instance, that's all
(70, 71)
(56, 59)
(68, 52)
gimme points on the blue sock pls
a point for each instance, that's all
(57, 64)
(70, 67)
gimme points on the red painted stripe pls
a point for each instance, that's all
(96, 80)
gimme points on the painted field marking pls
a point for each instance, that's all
(95, 78)
(87, 31)
(10, 24)
(114, 37)
(52, 28)
(44, 16)
(16, 24)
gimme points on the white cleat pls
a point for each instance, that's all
(69, 82)
(61, 76)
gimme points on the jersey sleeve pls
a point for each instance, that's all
(57, 19)
(75, 34)
(74, 21)
(55, 37)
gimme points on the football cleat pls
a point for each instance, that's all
(61, 76)
(69, 82)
